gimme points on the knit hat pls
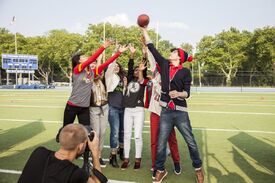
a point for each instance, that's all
(184, 56)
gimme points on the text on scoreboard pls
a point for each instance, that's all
(19, 61)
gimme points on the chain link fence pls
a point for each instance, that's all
(242, 79)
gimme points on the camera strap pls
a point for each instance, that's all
(102, 178)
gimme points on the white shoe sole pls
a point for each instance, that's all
(154, 181)
(177, 173)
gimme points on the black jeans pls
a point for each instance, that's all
(82, 113)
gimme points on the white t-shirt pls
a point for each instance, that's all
(154, 105)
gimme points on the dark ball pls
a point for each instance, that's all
(143, 20)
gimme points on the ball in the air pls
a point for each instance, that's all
(143, 20)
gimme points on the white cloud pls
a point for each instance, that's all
(124, 20)
(119, 19)
(78, 28)
(173, 25)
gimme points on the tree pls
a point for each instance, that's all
(61, 45)
(226, 52)
(6, 41)
(120, 34)
(203, 56)
(6, 46)
(38, 46)
(187, 47)
(261, 57)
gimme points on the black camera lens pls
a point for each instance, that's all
(91, 136)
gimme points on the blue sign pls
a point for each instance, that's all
(18, 61)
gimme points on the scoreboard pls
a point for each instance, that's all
(19, 62)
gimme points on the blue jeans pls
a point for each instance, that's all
(115, 118)
(168, 119)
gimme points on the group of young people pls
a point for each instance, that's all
(103, 93)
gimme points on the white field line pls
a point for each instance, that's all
(32, 106)
(225, 112)
(32, 96)
(31, 120)
(225, 130)
(147, 126)
(223, 104)
(256, 96)
(10, 171)
(250, 104)
(232, 92)
(19, 172)
(35, 99)
(233, 99)
(9, 98)
(212, 112)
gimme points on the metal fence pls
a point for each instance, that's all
(203, 79)
(244, 79)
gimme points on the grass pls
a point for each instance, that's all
(235, 133)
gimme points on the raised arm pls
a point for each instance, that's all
(158, 57)
(142, 68)
(100, 68)
(80, 67)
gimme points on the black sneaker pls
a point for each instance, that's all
(102, 163)
(177, 168)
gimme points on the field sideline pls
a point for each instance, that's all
(235, 133)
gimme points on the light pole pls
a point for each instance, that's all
(15, 48)
(104, 39)
(157, 36)
(15, 42)
(199, 67)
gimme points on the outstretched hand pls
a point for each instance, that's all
(132, 48)
(143, 29)
(123, 48)
(142, 65)
(107, 43)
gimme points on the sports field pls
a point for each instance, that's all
(235, 133)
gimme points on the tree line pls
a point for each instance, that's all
(231, 57)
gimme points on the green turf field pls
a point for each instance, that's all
(235, 133)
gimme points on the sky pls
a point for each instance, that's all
(179, 21)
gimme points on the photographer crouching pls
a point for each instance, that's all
(46, 166)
